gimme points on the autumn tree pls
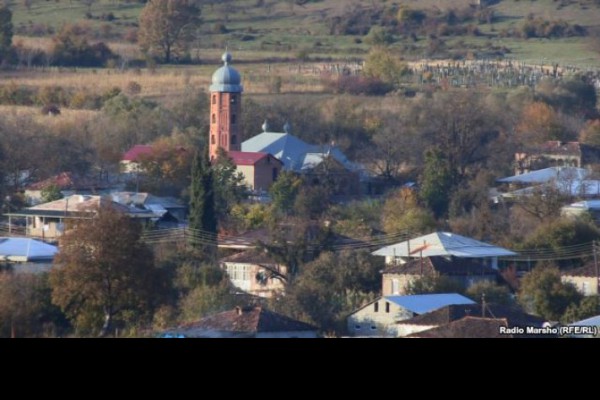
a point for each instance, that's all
(51, 193)
(166, 27)
(539, 123)
(383, 65)
(543, 293)
(402, 212)
(284, 192)
(105, 274)
(590, 134)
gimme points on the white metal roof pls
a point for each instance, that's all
(423, 303)
(548, 174)
(443, 244)
(23, 250)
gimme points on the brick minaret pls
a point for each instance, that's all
(225, 109)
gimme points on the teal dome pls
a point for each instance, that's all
(226, 79)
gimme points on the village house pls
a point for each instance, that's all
(244, 322)
(260, 170)
(444, 244)
(467, 327)
(47, 221)
(466, 272)
(585, 279)
(513, 316)
(555, 153)
(380, 317)
(130, 163)
(68, 183)
(169, 212)
(24, 255)
(255, 272)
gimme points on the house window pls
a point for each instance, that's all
(214, 119)
(233, 139)
(373, 328)
(376, 306)
(214, 99)
(213, 140)
(585, 288)
(387, 307)
(233, 119)
(395, 286)
(357, 327)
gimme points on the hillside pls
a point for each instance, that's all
(338, 29)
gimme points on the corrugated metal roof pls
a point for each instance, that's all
(593, 321)
(423, 303)
(23, 250)
(443, 244)
(548, 174)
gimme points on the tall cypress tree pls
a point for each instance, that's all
(203, 219)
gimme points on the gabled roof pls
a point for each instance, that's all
(443, 244)
(136, 151)
(422, 303)
(250, 257)
(593, 321)
(24, 250)
(442, 316)
(443, 266)
(248, 158)
(66, 181)
(468, 327)
(295, 154)
(546, 175)
(245, 321)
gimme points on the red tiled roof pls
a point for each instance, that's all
(246, 158)
(136, 151)
(249, 320)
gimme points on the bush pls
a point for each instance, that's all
(133, 88)
(353, 84)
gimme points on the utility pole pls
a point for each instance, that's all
(596, 266)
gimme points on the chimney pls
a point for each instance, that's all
(239, 310)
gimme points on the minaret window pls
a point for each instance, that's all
(233, 99)
(233, 139)
(233, 119)
(214, 119)
(213, 140)
(214, 101)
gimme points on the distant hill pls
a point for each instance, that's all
(561, 30)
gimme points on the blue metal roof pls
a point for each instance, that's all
(422, 303)
(24, 249)
(226, 79)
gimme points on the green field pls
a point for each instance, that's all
(278, 29)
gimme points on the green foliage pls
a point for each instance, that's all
(203, 216)
(434, 284)
(26, 309)
(383, 65)
(437, 182)
(104, 275)
(543, 293)
(331, 287)
(588, 307)
(402, 213)
(284, 192)
(228, 185)
(379, 36)
(51, 193)
(357, 219)
(493, 293)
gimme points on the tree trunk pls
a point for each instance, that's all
(107, 324)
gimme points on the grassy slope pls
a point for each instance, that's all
(280, 30)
